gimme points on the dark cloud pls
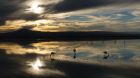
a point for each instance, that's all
(8, 7)
(71, 5)
(14, 10)
(28, 16)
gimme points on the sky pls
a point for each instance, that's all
(70, 15)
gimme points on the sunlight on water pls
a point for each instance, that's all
(37, 64)
(36, 67)
(35, 71)
(64, 59)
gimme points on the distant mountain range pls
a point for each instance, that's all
(31, 35)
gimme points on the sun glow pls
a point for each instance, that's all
(35, 7)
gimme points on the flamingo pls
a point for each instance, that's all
(106, 55)
(51, 54)
(74, 56)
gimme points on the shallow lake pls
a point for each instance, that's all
(73, 59)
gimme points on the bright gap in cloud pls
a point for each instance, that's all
(34, 7)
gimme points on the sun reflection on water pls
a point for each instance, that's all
(37, 64)
(39, 68)
(36, 67)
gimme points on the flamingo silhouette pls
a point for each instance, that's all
(106, 55)
(74, 56)
(52, 54)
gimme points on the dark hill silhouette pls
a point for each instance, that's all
(28, 34)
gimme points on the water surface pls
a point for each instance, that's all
(75, 59)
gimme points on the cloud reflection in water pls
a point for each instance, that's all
(71, 57)
(85, 50)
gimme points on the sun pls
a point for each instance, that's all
(35, 8)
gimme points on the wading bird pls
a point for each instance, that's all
(52, 54)
(106, 55)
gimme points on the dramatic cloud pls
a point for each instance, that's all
(71, 5)
(70, 15)
(8, 7)
(14, 10)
